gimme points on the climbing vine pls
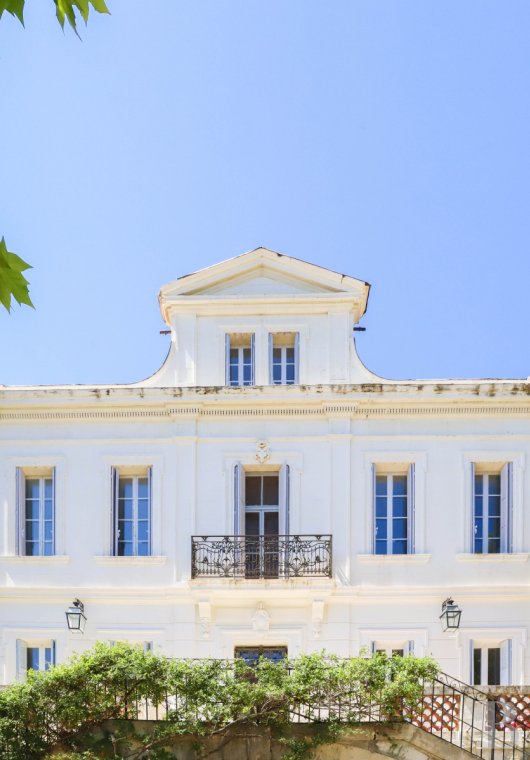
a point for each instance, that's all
(93, 706)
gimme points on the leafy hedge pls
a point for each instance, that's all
(64, 712)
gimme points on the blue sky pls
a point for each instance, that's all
(387, 139)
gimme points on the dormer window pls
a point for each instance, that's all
(240, 359)
(283, 359)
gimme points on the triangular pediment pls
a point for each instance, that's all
(263, 272)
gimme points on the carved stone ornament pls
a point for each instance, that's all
(261, 619)
(263, 452)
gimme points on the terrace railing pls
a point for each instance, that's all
(301, 556)
(490, 727)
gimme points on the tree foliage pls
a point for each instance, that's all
(64, 713)
(12, 281)
(65, 10)
(13, 284)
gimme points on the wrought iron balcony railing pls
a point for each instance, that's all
(261, 556)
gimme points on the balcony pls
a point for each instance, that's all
(254, 557)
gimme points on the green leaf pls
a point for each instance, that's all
(14, 7)
(66, 10)
(13, 284)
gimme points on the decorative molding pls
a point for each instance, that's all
(20, 559)
(357, 410)
(263, 452)
(261, 619)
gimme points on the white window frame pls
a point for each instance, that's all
(22, 647)
(495, 460)
(41, 474)
(413, 641)
(134, 473)
(395, 461)
(505, 508)
(240, 349)
(283, 364)
(514, 657)
(505, 661)
(409, 474)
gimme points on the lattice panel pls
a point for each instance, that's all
(513, 711)
(436, 713)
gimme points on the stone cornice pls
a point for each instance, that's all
(324, 410)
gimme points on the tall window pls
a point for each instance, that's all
(132, 513)
(262, 507)
(393, 513)
(34, 656)
(36, 513)
(283, 358)
(240, 359)
(491, 663)
(492, 507)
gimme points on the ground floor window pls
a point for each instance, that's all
(251, 655)
(491, 663)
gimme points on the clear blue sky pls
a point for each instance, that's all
(387, 139)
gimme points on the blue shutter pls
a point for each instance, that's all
(411, 508)
(252, 360)
(227, 359)
(297, 358)
(114, 480)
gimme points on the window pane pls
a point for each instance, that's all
(125, 487)
(143, 509)
(143, 548)
(277, 355)
(380, 547)
(478, 506)
(399, 528)
(48, 530)
(290, 374)
(494, 666)
(32, 548)
(380, 485)
(477, 666)
(381, 529)
(126, 530)
(494, 506)
(125, 549)
(494, 485)
(32, 530)
(252, 524)
(32, 488)
(252, 490)
(48, 489)
(399, 506)
(32, 658)
(143, 530)
(399, 547)
(48, 509)
(48, 659)
(247, 374)
(143, 488)
(494, 527)
(271, 490)
(271, 523)
(32, 510)
(397, 653)
(277, 374)
(380, 506)
(479, 480)
(125, 509)
(494, 545)
(399, 485)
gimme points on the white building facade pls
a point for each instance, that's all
(265, 492)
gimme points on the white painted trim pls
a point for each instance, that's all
(115, 561)
(393, 559)
(493, 636)
(109, 461)
(405, 458)
(494, 456)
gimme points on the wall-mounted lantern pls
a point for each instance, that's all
(450, 616)
(75, 617)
